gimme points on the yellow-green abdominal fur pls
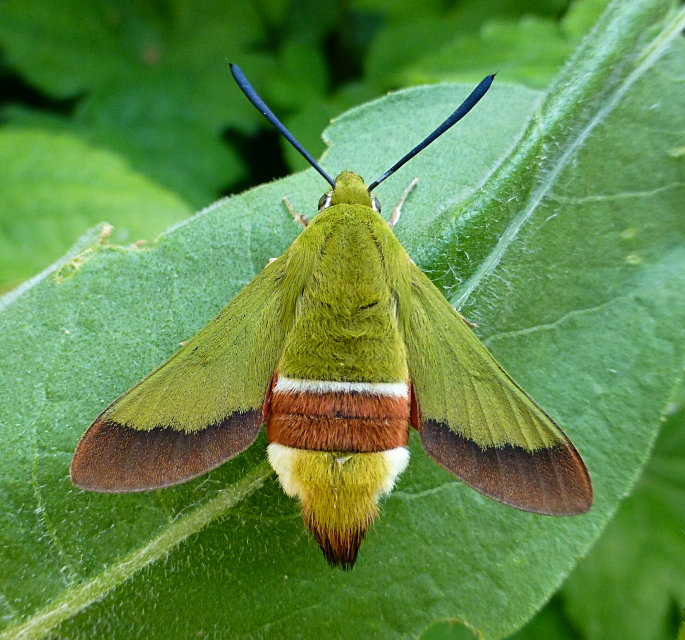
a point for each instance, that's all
(339, 492)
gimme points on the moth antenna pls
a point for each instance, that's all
(458, 114)
(254, 98)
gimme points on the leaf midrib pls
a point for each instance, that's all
(650, 53)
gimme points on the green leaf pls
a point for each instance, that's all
(633, 581)
(53, 187)
(530, 51)
(184, 157)
(401, 45)
(136, 43)
(552, 221)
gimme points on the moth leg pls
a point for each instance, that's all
(396, 212)
(302, 219)
(471, 324)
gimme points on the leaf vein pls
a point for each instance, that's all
(602, 197)
(516, 333)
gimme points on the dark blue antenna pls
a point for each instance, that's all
(254, 98)
(459, 113)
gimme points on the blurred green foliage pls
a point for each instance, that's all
(149, 82)
(125, 111)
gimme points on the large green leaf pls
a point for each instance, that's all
(632, 585)
(553, 221)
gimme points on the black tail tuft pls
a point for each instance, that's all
(340, 546)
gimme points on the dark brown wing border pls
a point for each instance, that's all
(113, 458)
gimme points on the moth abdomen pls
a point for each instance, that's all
(338, 491)
(338, 446)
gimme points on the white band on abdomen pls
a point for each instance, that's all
(294, 385)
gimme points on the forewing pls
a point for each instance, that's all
(199, 408)
(478, 423)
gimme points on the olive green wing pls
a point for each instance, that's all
(475, 421)
(199, 408)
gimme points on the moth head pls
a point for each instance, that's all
(349, 189)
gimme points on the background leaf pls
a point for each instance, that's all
(153, 74)
(529, 49)
(557, 231)
(53, 186)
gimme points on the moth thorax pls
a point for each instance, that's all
(339, 492)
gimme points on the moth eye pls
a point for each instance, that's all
(375, 205)
(325, 201)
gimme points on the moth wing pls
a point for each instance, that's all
(476, 422)
(195, 411)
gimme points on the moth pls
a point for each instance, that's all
(340, 347)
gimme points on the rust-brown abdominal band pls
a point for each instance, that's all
(356, 420)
